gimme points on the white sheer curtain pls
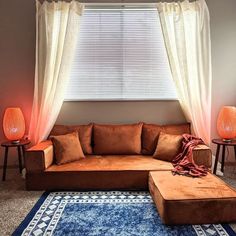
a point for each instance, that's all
(186, 31)
(57, 26)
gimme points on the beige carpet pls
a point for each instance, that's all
(15, 202)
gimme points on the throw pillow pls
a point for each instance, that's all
(168, 146)
(84, 131)
(67, 148)
(150, 135)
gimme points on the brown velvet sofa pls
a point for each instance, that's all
(118, 157)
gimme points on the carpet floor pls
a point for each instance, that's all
(15, 202)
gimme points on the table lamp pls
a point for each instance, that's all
(13, 124)
(226, 123)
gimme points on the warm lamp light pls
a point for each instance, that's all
(226, 123)
(13, 124)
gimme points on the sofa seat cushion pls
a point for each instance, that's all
(187, 188)
(117, 139)
(113, 163)
(185, 200)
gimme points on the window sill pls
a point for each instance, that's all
(122, 100)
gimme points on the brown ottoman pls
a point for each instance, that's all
(187, 200)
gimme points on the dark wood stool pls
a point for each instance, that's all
(21, 151)
(219, 143)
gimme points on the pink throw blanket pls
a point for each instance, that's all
(183, 163)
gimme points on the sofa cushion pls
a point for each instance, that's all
(67, 148)
(84, 131)
(117, 139)
(114, 163)
(184, 200)
(59, 130)
(168, 146)
(177, 129)
(202, 155)
(150, 134)
(95, 172)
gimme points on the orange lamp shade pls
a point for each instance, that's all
(226, 122)
(13, 124)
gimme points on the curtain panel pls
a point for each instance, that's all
(186, 30)
(57, 28)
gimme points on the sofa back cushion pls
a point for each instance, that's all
(84, 131)
(117, 139)
(150, 134)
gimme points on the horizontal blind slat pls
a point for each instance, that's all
(120, 55)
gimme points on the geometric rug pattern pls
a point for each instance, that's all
(105, 213)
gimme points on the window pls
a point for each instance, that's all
(120, 55)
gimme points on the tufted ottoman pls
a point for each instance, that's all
(187, 200)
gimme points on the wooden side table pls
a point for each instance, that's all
(21, 151)
(219, 143)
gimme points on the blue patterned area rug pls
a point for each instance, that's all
(105, 213)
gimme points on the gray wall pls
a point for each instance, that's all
(223, 35)
(161, 112)
(17, 59)
(17, 46)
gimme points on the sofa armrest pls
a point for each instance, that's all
(39, 157)
(202, 155)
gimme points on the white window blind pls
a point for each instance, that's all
(120, 55)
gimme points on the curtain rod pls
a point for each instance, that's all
(112, 2)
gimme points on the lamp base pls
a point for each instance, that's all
(227, 140)
(15, 141)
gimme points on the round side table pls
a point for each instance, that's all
(219, 143)
(21, 151)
